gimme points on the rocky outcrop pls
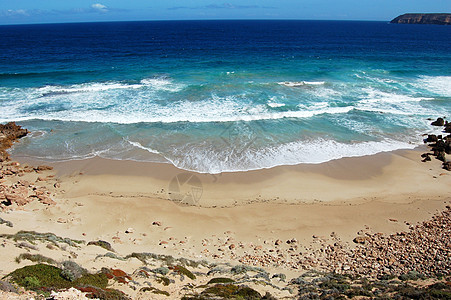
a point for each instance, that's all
(440, 145)
(8, 134)
(16, 192)
(436, 19)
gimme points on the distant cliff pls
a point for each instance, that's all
(437, 19)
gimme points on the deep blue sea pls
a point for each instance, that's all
(216, 96)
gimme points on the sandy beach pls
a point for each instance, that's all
(273, 218)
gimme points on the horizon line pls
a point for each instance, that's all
(194, 20)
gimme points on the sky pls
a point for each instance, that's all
(62, 11)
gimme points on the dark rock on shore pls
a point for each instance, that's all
(432, 138)
(448, 127)
(440, 145)
(435, 19)
(438, 122)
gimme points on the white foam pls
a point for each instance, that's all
(377, 96)
(90, 108)
(209, 160)
(138, 145)
(314, 82)
(163, 84)
(439, 85)
(275, 104)
(300, 83)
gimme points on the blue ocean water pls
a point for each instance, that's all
(215, 96)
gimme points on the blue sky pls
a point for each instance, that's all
(56, 11)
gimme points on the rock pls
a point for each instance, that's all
(43, 168)
(19, 199)
(360, 240)
(438, 122)
(432, 138)
(9, 133)
(441, 156)
(448, 127)
(426, 158)
(232, 246)
(71, 293)
(129, 230)
(157, 223)
(278, 242)
(447, 165)
(45, 200)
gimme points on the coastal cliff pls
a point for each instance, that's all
(436, 19)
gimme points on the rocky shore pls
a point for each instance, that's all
(21, 185)
(411, 263)
(440, 145)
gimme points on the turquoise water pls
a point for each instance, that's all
(215, 96)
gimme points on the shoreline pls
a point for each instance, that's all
(289, 220)
(394, 174)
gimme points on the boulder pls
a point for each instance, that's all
(441, 156)
(448, 127)
(438, 122)
(19, 199)
(432, 138)
(360, 240)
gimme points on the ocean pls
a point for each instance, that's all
(220, 96)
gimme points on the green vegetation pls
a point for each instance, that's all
(7, 223)
(163, 280)
(47, 277)
(244, 269)
(184, 271)
(407, 286)
(72, 271)
(35, 258)
(110, 255)
(167, 260)
(40, 275)
(33, 236)
(227, 291)
(103, 244)
(154, 291)
(162, 270)
(221, 280)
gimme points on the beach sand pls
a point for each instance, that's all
(131, 205)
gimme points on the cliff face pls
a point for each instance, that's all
(437, 19)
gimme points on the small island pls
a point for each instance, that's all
(435, 19)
